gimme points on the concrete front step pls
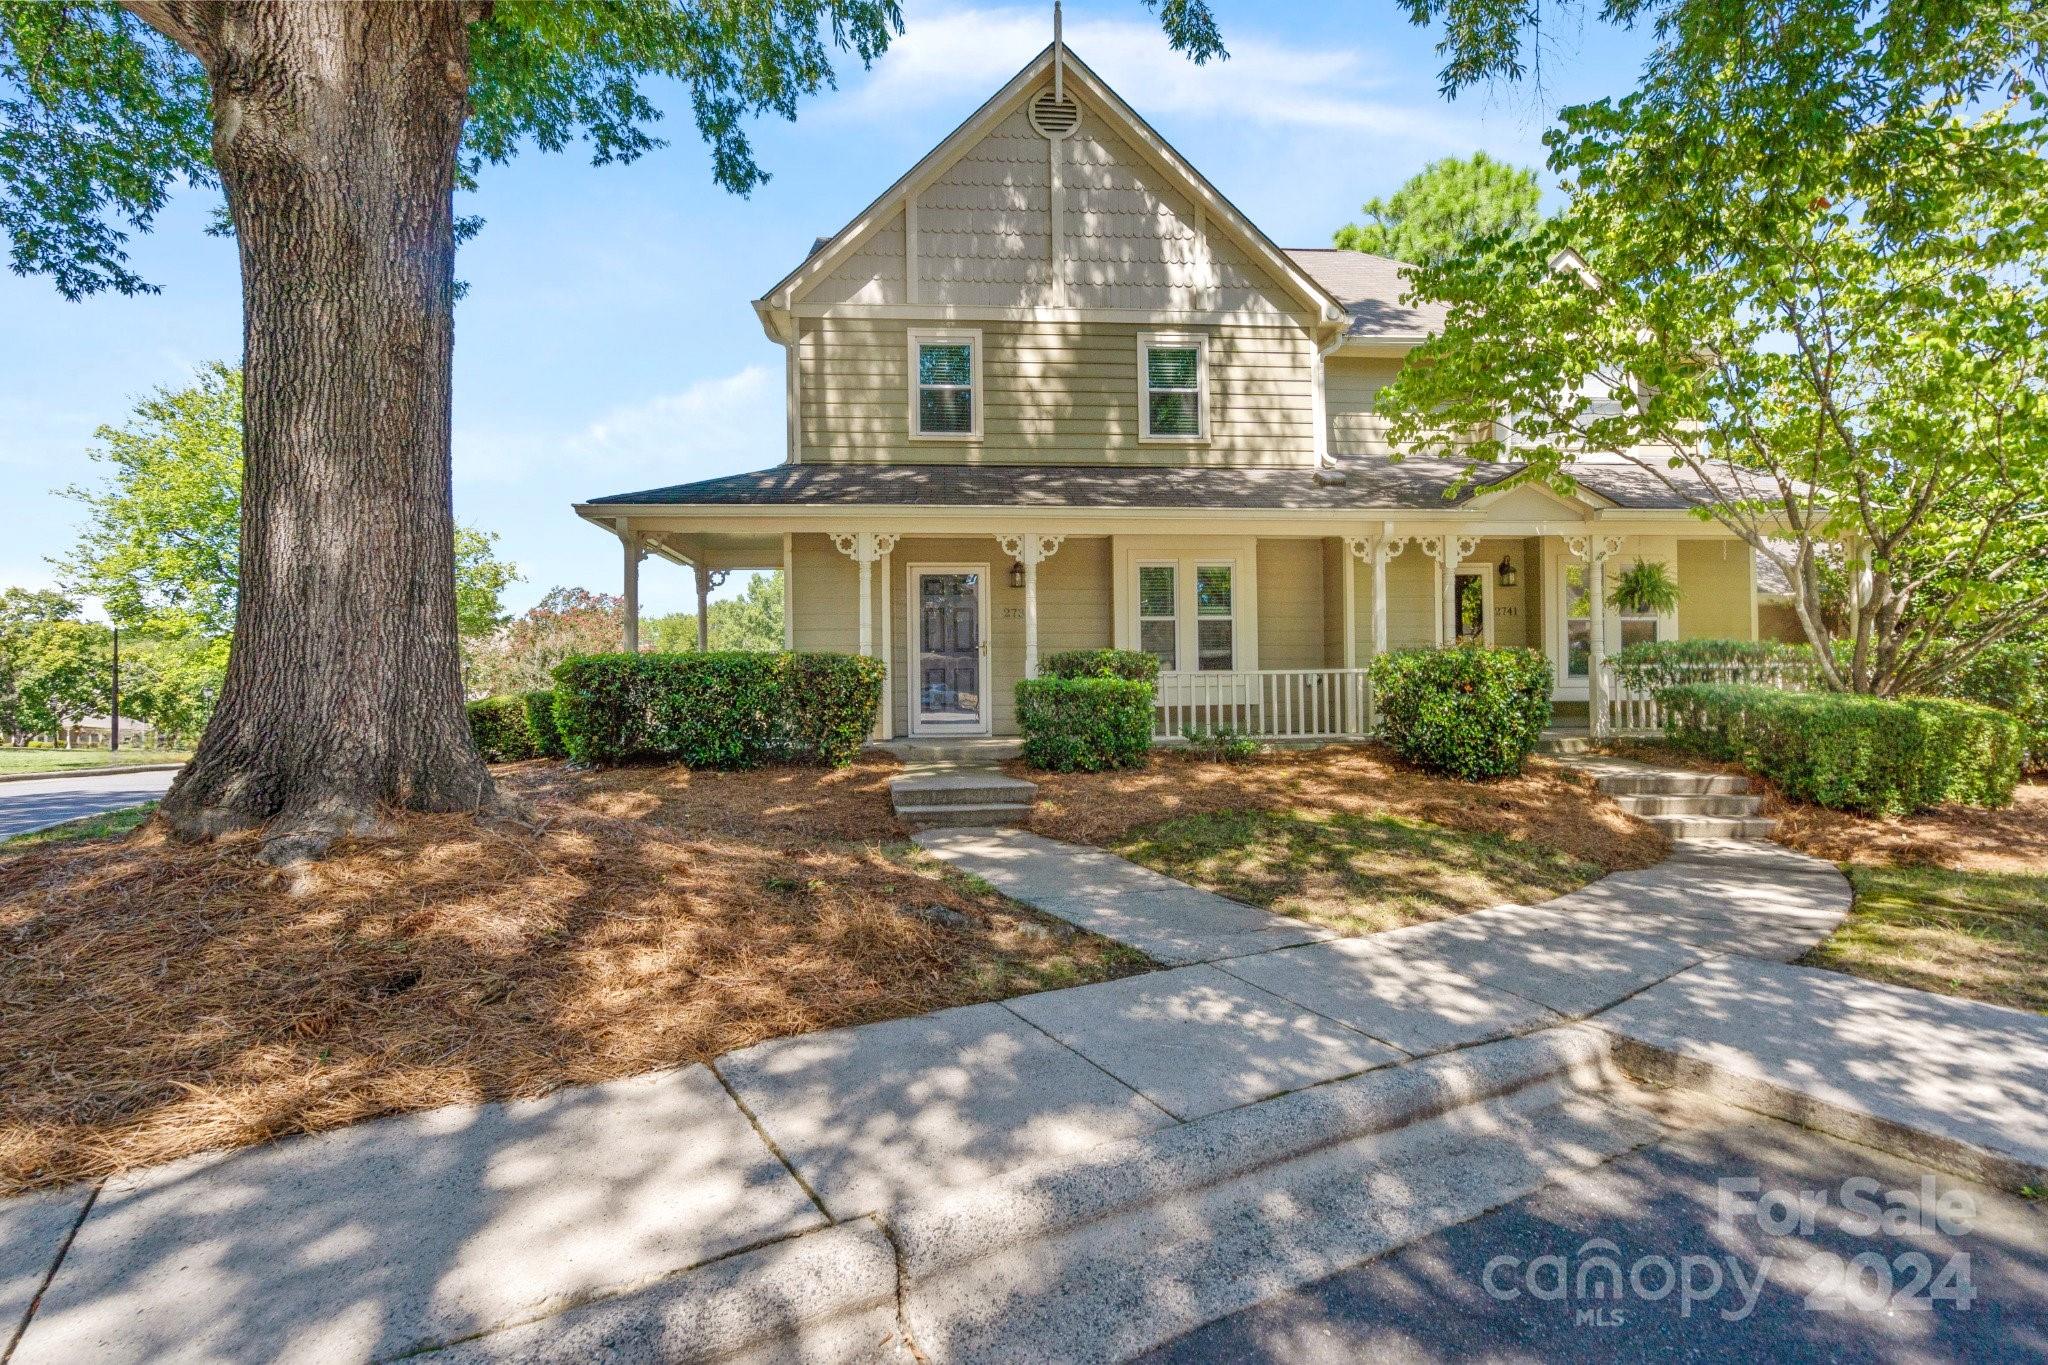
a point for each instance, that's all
(1713, 826)
(1689, 805)
(1673, 784)
(989, 816)
(1554, 745)
(970, 788)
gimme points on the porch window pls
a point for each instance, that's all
(1175, 371)
(1158, 615)
(1215, 619)
(945, 377)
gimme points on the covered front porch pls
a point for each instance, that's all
(1266, 634)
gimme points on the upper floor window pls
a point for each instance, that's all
(1175, 373)
(945, 385)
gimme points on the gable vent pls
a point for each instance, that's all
(1054, 116)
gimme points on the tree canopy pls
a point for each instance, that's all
(1801, 273)
(161, 546)
(1444, 207)
(106, 109)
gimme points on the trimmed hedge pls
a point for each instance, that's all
(2012, 675)
(1101, 663)
(499, 727)
(1469, 712)
(1668, 663)
(540, 724)
(723, 709)
(1085, 724)
(1876, 755)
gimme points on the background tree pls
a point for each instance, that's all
(521, 657)
(753, 620)
(161, 547)
(22, 611)
(1443, 207)
(62, 675)
(338, 133)
(1800, 276)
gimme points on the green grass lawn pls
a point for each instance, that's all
(106, 825)
(1356, 874)
(59, 760)
(1983, 935)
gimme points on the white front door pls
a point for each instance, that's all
(949, 691)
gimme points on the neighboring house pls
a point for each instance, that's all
(1052, 391)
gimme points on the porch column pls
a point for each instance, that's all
(1456, 550)
(1028, 548)
(708, 580)
(1595, 550)
(864, 548)
(887, 719)
(634, 554)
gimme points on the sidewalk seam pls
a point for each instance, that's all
(766, 1141)
(1176, 1118)
(64, 1249)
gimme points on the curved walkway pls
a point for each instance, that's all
(1079, 1174)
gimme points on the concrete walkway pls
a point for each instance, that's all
(1076, 1175)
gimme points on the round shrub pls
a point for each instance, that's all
(1084, 724)
(1469, 712)
(498, 725)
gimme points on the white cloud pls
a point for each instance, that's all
(943, 57)
(712, 426)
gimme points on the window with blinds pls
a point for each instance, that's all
(1215, 619)
(1174, 374)
(945, 375)
(1159, 614)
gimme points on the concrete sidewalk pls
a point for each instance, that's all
(1078, 1174)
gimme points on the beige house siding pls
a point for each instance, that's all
(1054, 393)
(1335, 557)
(1713, 586)
(1351, 384)
(1290, 604)
(871, 274)
(1535, 592)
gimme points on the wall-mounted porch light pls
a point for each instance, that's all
(1507, 572)
(1016, 573)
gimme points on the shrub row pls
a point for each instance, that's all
(507, 729)
(2012, 675)
(724, 709)
(1084, 724)
(1668, 663)
(1470, 712)
(1876, 755)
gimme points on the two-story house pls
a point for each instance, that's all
(1052, 390)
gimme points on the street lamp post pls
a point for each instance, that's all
(114, 717)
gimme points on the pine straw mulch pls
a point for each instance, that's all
(159, 999)
(1549, 805)
(1959, 838)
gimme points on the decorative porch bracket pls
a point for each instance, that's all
(864, 548)
(708, 582)
(1030, 548)
(1594, 552)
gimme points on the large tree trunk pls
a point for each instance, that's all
(335, 132)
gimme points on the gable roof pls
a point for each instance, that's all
(830, 251)
(1373, 290)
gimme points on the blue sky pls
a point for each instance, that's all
(607, 343)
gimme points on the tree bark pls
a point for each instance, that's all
(336, 130)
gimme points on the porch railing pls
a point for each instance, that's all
(1271, 703)
(1633, 710)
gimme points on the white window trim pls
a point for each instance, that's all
(1195, 608)
(1146, 342)
(1139, 617)
(919, 336)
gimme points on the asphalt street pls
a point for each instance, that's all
(26, 806)
(1741, 1242)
